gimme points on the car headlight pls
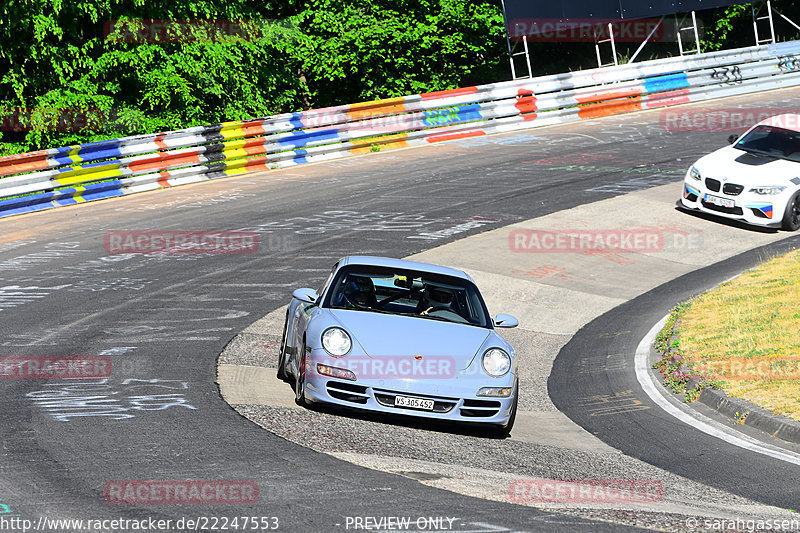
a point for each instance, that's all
(768, 191)
(496, 362)
(336, 341)
(694, 173)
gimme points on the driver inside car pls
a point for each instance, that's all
(434, 299)
(358, 292)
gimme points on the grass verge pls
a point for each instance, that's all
(742, 337)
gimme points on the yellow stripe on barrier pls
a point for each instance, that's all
(79, 197)
(233, 132)
(84, 177)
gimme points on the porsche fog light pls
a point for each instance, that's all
(495, 392)
(694, 173)
(496, 362)
(768, 191)
(336, 342)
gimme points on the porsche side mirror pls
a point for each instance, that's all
(732, 139)
(505, 321)
(307, 296)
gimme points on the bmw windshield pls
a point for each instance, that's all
(409, 293)
(771, 141)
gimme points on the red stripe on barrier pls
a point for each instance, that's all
(159, 140)
(439, 137)
(17, 163)
(606, 103)
(163, 179)
(526, 104)
(449, 93)
(681, 96)
(161, 160)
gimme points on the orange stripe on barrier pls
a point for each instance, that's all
(449, 93)
(387, 142)
(159, 140)
(18, 163)
(254, 146)
(439, 137)
(605, 103)
(254, 129)
(162, 160)
(389, 106)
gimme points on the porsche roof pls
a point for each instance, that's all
(402, 264)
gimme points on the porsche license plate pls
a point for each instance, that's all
(414, 403)
(722, 202)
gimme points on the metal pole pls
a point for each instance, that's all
(678, 31)
(755, 22)
(696, 35)
(527, 56)
(613, 43)
(771, 22)
(641, 47)
(508, 40)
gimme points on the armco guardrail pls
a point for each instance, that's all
(62, 176)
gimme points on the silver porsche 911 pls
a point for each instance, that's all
(401, 337)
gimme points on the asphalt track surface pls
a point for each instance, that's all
(651, 434)
(163, 320)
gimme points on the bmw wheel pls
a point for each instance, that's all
(791, 219)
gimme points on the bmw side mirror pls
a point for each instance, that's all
(732, 139)
(505, 321)
(307, 296)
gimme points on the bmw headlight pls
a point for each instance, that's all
(768, 191)
(336, 341)
(496, 362)
(694, 173)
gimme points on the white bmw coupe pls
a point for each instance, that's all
(756, 179)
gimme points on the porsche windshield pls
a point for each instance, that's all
(773, 142)
(408, 293)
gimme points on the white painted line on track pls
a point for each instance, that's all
(694, 419)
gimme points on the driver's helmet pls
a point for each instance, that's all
(436, 298)
(359, 292)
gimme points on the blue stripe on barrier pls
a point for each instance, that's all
(300, 156)
(303, 138)
(452, 115)
(297, 121)
(667, 82)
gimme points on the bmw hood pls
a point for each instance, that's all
(394, 335)
(737, 166)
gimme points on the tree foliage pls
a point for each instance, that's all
(60, 57)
